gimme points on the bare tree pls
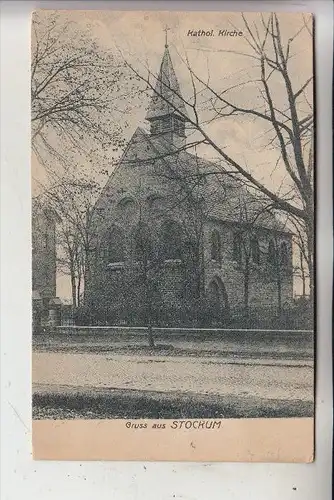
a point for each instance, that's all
(195, 196)
(288, 124)
(178, 242)
(192, 200)
(303, 263)
(249, 252)
(145, 274)
(246, 247)
(133, 279)
(70, 258)
(73, 83)
(73, 201)
(301, 271)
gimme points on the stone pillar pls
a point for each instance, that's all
(52, 317)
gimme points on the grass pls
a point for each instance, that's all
(133, 404)
(109, 403)
(195, 348)
(133, 350)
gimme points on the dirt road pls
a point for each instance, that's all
(265, 378)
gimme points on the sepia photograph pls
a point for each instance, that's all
(172, 216)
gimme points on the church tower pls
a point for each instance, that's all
(167, 113)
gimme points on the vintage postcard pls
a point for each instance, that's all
(172, 236)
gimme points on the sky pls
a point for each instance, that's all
(139, 38)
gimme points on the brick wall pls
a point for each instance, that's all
(263, 288)
(43, 253)
(132, 195)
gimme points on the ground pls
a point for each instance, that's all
(230, 375)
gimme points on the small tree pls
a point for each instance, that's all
(246, 248)
(302, 259)
(73, 202)
(193, 198)
(132, 274)
(145, 273)
(301, 271)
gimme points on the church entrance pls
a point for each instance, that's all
(218, 301)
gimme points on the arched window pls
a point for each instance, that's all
(127, 206)
(255, 250)
(126, 202)
(154, 201)
(237, 252)
(141, 244)
(114, 245)
(215, 246)
(171, 240)
(284, 254)
(271, 252)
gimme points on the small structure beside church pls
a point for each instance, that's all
(178, 242)
(46, 305)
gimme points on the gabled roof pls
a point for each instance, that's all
(227, 199)
(167, 97)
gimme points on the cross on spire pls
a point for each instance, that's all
(166, 29)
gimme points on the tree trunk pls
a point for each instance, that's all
(78, 290)
(148, 302)
(202, 267)
(149, 321)
(279, 288)
(150, 335)
(246, 290)
(310, 260)
(86, 275)
(74, 289)
(302, 271)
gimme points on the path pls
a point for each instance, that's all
(272, 379)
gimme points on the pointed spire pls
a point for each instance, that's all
(167, 98)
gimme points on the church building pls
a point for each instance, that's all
(176, 241)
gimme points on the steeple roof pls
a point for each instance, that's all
(167, 97)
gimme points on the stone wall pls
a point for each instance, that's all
(263, 287)
(43, 253)
(134, 194)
